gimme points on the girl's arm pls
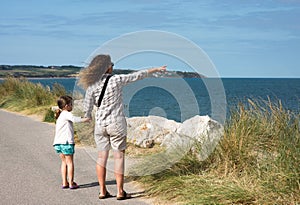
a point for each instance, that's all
(85, 119)
(76, 119)
(80, 119)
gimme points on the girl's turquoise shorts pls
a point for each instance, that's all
(66, 149)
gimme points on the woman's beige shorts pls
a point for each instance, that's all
(112, 136)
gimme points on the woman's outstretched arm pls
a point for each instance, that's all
(158, 69)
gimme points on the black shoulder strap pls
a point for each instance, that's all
(103, 90)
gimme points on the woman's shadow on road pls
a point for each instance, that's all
(112, 182)
(93, 184)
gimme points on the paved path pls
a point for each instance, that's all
(30, 168)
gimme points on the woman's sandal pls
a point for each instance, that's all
(125, 196)
(107, 195)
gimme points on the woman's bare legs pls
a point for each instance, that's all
(119, 161)
(119, 158)
(101, 170)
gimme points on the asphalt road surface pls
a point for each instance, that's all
(30, 168)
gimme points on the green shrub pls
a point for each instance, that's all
(49, 116)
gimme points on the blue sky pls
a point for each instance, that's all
(255, 38)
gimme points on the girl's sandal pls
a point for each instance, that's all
(74, 186)
(125, 196)
(65, 187)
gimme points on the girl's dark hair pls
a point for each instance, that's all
(62, 102)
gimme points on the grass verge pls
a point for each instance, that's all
(256, 162)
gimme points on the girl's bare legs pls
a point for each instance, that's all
(63, 170)
(101, 170)
(119, 157)
(70, 168)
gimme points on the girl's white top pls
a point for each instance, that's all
(64, 131)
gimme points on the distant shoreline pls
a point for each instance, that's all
(31, 71)
(41, 78)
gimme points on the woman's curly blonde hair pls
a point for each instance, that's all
(94, 71)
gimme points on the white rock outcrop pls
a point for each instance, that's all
(201, 130)
(147, 131)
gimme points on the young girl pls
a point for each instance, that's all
(64, 139)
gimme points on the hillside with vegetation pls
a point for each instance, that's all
(32, 71)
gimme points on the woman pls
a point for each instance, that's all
(110, 123)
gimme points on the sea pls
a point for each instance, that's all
(182, 98)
